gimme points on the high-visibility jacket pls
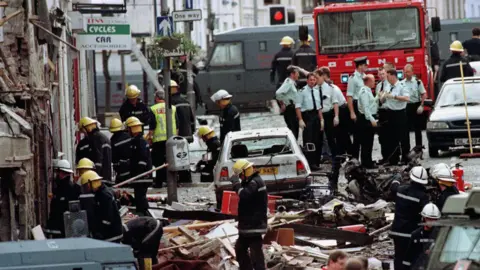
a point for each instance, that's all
(160, 131)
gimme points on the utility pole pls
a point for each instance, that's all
(255, 13)
(145, 79)
(190, 93)
(122, 68)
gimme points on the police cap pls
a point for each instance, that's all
(360, 60)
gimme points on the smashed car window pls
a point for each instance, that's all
(260, 146)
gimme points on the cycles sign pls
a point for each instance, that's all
(105, 34)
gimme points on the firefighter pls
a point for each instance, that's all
(143, 234)
(140, 162)
(395, 103)
(473, 45)
(158, 135)
(230, 116)
(281, 61)
(83, 149)
(84, 165)
(383, 86)
(451, 67)
(106, 223)
(120, 141)
(415, 104)
(355, 83)
(409, 202)
(64, 191)
(309, 112)
(446, 182)
(286, 95)
(252, 215)
(102, 150)
(134, 106)
(422, 239)
(305, 58)
(366, 120)
(213, 147)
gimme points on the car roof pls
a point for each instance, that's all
(466, 79)
(263, 132)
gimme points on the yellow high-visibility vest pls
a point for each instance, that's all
(160, 132)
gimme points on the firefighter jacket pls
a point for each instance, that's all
(252, 205)
(409, 202)
(141, 160)
(158, 122)
(418, 250)
(141, 232)
(213, 147)
(229, 120)
(449, 191)
(140, 110)
(64, 192)
(280, 62)
(451, 68)
(107, 224)
(83, 150)
(305, 58)
(102, 154)
(121, 154)
(186, 120)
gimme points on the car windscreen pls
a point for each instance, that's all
(260, 146)
(452, 95)
(461, 243)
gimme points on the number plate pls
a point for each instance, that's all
(464, 141)
(268, 170)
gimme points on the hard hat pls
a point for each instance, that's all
(419, 174)
(115, 125)
(456, 46)
(286, 40)
(241, 165)
(204, 130)
(85, 121)
(442, 172)
(133, 121)
(220, 94)
(173, 83)
(63, 165)
(132, 92)
(85, 163)
(431, 211)
(89, 176)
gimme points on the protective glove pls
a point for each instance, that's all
(322, 125)
(374, 123)
(301, 124)
(420, 109)
(388, 96)
(234, 179)
(336, 121)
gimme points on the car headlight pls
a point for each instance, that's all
(437, 125)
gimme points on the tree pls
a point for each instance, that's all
(106, 73)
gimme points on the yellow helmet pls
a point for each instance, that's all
(456, 46)
(133, 121)
(89, 176)
(85, 163)
(85, 121)
(132, 92)
(203, 131)
(173, 83)
(286, 40)
(241, 165)
(115, 125)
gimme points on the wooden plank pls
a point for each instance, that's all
(209, 248)
(228, 247)
(196, 226)
(188, 234)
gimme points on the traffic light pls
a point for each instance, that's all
(281, 15)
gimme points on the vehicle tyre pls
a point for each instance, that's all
(432, 151)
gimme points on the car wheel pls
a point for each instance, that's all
(432, 151)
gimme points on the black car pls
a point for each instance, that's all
(447, 124)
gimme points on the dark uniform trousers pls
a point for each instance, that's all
(312, 137)
(329, 132)
(343, 140)
(140, 163)
(366, 137)
(290, 117)
(382, 131)
(398, 141)
(355, 130)
(159, 157)
(415, 121)
(253, 260)
(143, 234)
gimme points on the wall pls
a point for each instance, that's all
(447, 9)
(472, 9)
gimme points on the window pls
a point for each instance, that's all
(461, 243)
(227, 54)
(234, 25)
(258, 146)
(225, 26)
(262, 46)
(453, 36)
(119, 86)
(217, 23)
(307, 6)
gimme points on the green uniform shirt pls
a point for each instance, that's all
(328, 96)
(415, 88)
(287, 93)
(383, 86)
(367, 104)
(398, 89)
(304, 99)
(355, 82)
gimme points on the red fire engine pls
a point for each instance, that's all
(384, 31)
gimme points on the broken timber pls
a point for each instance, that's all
(196, 215)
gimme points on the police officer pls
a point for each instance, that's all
(143, 234)
(395, 103)
(230, 116)
(409, 202)
(158, 134)
(309, 114)
(382, 87)
(102, 150)
(443, 175)
(121, 152)
(213, 147)
(282, 60)
(286, 95)
(84, 165)
(451, 67)
(134, 106)
(415, 104)
(64, 191)
(422, 239)
(252, 215)
(355, 83)
(83, 149)
(106, 223)
(305, 58)
(367, 107)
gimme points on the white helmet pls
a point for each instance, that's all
(63, 165)
(219, 95)
(419, 174)
(431, 211)
(442, 172)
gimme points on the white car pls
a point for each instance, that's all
(275, 154)
(476, 67)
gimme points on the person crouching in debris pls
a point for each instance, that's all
(143, 234)
(422, 239)
(336, 261)
(252, 215)
(213, 147)
(446, 182)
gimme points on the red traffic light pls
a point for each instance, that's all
(278, 16)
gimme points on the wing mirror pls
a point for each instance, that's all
(436, 25)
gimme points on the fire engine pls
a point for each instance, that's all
(397, 32)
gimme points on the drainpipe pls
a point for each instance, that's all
(65, 108)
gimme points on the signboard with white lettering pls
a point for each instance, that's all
(177, 52)
(105, 34)
(187, 15)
